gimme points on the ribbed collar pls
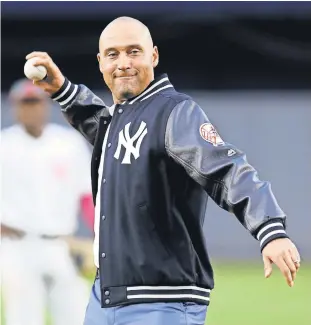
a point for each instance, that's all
(158, 84)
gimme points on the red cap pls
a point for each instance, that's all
(24, 89)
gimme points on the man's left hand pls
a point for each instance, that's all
(285, 255)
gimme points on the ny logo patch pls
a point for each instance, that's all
(128, 142)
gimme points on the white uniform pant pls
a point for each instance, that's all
(26, 264)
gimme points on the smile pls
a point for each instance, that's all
(125, 78)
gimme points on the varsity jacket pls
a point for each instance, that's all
(156, 160)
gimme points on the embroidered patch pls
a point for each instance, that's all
(127, 142)
(209, 134)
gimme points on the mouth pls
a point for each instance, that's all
(125, 76)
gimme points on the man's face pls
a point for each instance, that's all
(32, 113)
(127, 60)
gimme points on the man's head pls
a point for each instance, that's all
(127, 57)
(30, 105)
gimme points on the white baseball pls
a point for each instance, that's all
(34, 73)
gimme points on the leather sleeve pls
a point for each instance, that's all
(81, 108)
(224, 172)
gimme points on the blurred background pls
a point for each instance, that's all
(248, 64)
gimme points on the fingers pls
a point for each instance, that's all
(285, 255)
(267, 266)
(41, 83)
(42, 61)
(55, 79)
(295, 256)
(291, 265)
(46, 62)
(42, 58)
(38, 54)
(281, 264)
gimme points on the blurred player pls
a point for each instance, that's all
(45, 179)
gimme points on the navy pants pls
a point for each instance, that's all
(159, 313)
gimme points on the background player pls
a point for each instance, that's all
(45, 180)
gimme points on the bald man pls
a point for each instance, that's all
(156, 160)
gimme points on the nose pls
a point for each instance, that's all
(124, 62)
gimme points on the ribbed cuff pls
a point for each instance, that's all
(269, 231)
(66, 94)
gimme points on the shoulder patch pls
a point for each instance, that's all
(209, 134)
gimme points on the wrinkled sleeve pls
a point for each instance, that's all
(224, 172)
(81, 108)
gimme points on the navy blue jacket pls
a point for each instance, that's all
(156, 160)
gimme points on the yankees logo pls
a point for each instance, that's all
(128, 142)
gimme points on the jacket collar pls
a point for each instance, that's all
(157, 85)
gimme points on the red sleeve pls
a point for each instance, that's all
(88, 211)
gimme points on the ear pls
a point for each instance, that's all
(98, 59)
(155, 57)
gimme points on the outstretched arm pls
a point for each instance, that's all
(224, 172)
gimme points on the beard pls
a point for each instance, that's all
(128, 90)
(127, 94)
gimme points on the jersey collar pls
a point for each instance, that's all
(157, 85)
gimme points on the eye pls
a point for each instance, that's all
(134, 51)
(112, 54)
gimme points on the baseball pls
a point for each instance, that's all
(34, 73)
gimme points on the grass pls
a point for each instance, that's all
(242, 296)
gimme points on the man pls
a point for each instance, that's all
(156, 160)
(44, 182)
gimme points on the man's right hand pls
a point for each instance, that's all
(55, 78)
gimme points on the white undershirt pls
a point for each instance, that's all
(98, 196)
